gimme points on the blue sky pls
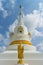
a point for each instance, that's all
(33, 19)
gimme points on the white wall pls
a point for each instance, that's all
(10, 58)
(14, 62)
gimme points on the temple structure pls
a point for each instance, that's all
(20, 50)
(21, 36)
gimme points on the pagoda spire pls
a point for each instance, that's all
(20, 17)
(20, 10)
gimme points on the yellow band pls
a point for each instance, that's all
(20, 41)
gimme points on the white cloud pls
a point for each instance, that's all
(1, 37)
(36, 33)
(3, 48)
(12, 26)
(40, 46)
(7, 34)
(4, 12)
(3, 42)
(41, 6)
(12, 3)
(31, 20)
(41, 12)
(6, 41)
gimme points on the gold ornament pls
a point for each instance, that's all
(11, 35)
(20, 29)
(20, 54)
(23, 42)
(29, 34)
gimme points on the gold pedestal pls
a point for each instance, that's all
(20, 54)
(20, 61)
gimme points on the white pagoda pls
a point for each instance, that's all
(20, 50)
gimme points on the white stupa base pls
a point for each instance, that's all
(26, 47)
(22, 64)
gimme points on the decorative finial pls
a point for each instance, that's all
(20, 10)
(20, 16)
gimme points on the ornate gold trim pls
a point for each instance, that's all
(20, 61)
(20, 41)
(20, 28)
(20, 54)
(20, 51)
